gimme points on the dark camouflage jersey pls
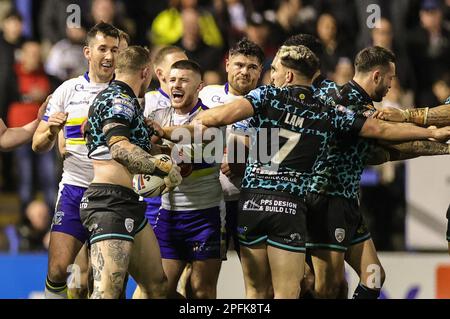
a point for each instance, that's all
(347, 155)
(303, 127)
(116, 104)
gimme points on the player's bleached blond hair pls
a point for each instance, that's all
(299, 58)
(132, 59)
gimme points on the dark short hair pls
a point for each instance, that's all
(372, 57)
(308, 40)
(14, 13)
(247, 48)
(163, 52)
(103, 28)
(132, 59)
(188, 65)
(300, 59)
(125, 36)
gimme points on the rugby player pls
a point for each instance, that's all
(118, 142)
(243, 67)
(272, 210)
(188, 226)
(67, 111)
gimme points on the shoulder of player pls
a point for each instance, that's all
(212, 89)
(152, 94)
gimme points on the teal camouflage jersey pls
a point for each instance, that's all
(347, 155)
(303, 128)
(116, 104)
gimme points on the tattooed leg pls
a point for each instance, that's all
(110, 260)
(146, 266)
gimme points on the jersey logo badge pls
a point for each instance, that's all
(129, 224)
(57, 219)
(250, 205)
(339, 233)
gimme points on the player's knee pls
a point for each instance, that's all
(155, 289)
(264, 292)
(203, 290)
(307, 284)
(57, 272)
(329, 290)
(287, 292)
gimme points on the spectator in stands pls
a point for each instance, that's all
(334, 47)
(259, 31)
(10, 42)
(33, 87)
(168, 26)
(292, 17)
(441, 88)
(209, 57)
(33, 236)
(383, 36)
(66, 59)
(344, 71)
(53, 18)
(429, 49)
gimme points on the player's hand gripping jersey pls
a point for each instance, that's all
(200, 189)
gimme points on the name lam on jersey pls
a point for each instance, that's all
(294, 120)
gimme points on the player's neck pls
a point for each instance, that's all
(186, 109)
(300, 81)
(233, 91)
(164, 87)
(96, 79)
(365, 83)
(131, 81)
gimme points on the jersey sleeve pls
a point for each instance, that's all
(118, 110)
(256, 98)
(344, 120)
(57, 102)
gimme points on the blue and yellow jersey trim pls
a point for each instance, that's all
(72, 131)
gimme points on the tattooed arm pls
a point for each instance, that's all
(408, 150)
(134, 158)
(438, 116)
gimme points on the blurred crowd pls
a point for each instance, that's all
(39, 50)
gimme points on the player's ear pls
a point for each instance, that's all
(159, 74)
(200, 86)
(146, 72)
(227, 65)
(289, 77)
(87, 52)
(376, 76)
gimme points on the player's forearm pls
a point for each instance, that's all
(438, 116)
(136, 160)
(394, 132)
(43, 141)
(184, 134)
(421, 148)
(13, 137)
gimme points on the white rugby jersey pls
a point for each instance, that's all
(201, 189)
(75, 96)
(155, 100)
(214, 95)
